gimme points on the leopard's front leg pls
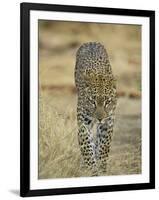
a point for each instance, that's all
(86, 142)
(103, 141)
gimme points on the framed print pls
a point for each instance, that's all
(87, 99)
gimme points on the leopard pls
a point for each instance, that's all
(96, 105)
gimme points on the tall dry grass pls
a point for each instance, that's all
(59, 155)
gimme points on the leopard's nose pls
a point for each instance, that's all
(99, 119)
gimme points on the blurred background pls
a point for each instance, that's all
(59, 41)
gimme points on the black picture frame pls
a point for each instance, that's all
(25, 9)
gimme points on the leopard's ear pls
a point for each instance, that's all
(112, 79)
(115, 80)
(88, 76)
(85, 76)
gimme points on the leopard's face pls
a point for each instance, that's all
(100, 91)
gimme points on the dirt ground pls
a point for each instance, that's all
(59, 154)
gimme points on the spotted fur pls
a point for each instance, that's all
(96, 88)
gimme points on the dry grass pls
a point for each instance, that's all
(59, 154)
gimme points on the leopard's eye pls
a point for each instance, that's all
(90, 98)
